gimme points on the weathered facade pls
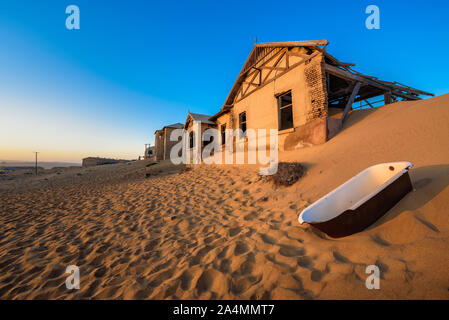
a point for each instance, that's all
(162, 143)
(195, 126)
(292, 86)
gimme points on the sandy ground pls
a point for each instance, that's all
(220, 232)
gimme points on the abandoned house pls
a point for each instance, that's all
(162, 143)
(195, 126)
(149, 151)
(301, 90)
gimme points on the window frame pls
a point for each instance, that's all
(281, 107)
(223, 133)
(191, 139)
(243, 122)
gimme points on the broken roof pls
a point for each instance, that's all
(258, 55)
(261, 52)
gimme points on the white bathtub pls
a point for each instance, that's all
(360, 201)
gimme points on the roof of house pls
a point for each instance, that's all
(176, 125)
(203, 118)
(263, 51)
(258, 54)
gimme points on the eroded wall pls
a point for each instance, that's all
(159, 144)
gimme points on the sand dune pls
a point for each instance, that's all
(221, 232)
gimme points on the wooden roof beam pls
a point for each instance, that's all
(355, 77)
(335, 60)
(309, 43)
(403, 87)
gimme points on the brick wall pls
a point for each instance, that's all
(316, 89)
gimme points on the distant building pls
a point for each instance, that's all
(195, 126)
(95, 161)
(149, 151)
(162, 141)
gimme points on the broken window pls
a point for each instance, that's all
(223, 133)
(242, 122)
(206, 142)
(191, 139)
(285, 111)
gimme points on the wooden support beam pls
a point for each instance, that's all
(350, 101)
(341, 92)
(265, 81)
(250, 81)
(276, 63)
(400, 86)
(251, 84)
(298, 54)
(335, 60)
(370, 105)
(387, 97)
(273, 68)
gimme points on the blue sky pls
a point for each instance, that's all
(136, 65)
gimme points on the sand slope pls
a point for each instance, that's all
(220, 232)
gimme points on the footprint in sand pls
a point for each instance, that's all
(240, 248)
(251, 216)
(305, 262)
(100, 272)
(143, 294)
(378, 239)
(55, 272)
(151, 245)
(225, 266)
(209, 239)
(382, 267)
(246, 268)
(267, 239)
(92, 288)
(205, 282)
(239, 285)
(316, 275)
(223, 252)
(234, 231)
(340, 258)
(290, 251)
(161, 266)
(200, 254)
(186, 280)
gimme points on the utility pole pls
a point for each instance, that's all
(35, 167)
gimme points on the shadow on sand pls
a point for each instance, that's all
(428, 182)
(356, 116)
